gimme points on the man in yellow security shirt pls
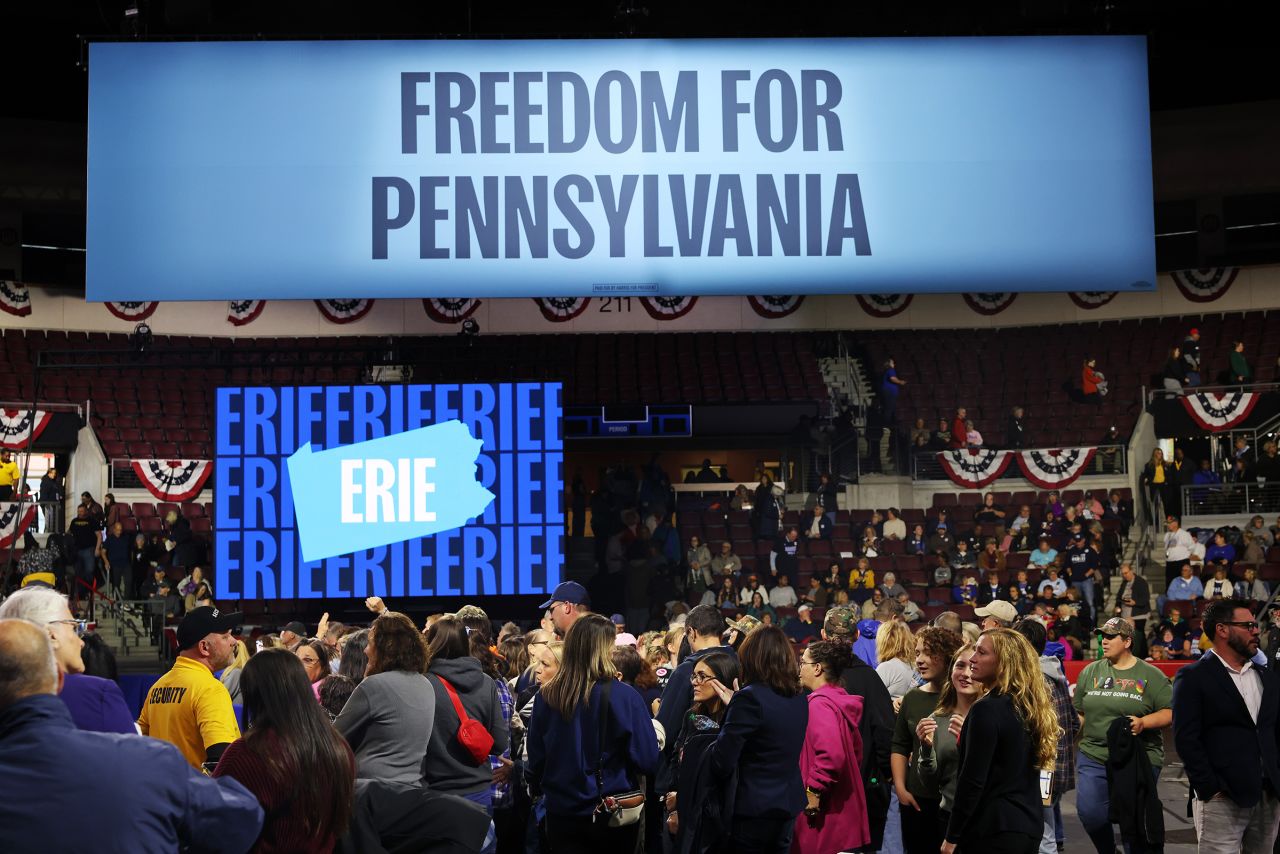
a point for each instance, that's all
(188, 706)
(9, 476)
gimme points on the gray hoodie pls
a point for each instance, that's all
(448, 766)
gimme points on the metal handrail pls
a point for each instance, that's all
(48, 407)
(1246, 498)
(1153, 394)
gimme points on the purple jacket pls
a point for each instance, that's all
(830, 763)
(96, 705)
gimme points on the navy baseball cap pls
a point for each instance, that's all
(568, 591)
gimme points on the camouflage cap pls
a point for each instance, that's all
(842, 621)
(745, 626)
(471, 612)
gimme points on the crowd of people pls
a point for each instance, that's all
(708, 734)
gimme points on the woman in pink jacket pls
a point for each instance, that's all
(835, 817)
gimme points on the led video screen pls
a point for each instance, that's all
(388, 490)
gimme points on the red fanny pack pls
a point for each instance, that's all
(472, 735)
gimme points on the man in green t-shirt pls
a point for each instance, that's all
(1117, 685)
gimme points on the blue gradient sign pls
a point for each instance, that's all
(524, 168)
(413, 490)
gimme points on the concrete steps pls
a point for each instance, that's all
(125, 631)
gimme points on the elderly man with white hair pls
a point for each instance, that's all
(66, 790)
(891, 587)
(95, 704)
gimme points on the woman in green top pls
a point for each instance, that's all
(1117, 685)
(939, 760)
(919, 801)
(1240, 370)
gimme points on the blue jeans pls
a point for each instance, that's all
(1086, 592)
(1093, 803)
(485, 799)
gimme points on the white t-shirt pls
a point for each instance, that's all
(897, 676)
(783, 596)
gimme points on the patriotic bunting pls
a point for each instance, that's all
(173, 480)
(134, 311)
(774, 307)
(450, 310)
(668, 308)
(1204, 285)
(1218, 412)
(241, 312)
(14, 523)
(560, 309)
(1092, 299)
(974, 469)
(989, 304)
(344, 310)
(15, 299)
(884, 305)
(1055, 468)
(20, 427)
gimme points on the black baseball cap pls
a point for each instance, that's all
(297, 628)
(204, 621)
(568, 591)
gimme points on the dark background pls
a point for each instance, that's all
(1214, 88)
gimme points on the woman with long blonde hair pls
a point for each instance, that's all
(895, 650)
(1013, 732)
(231, 673)
(1156, 478)
(590, 737)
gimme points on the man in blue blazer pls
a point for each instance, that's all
(1226, 712)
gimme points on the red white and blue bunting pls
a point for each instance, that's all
(1055, 468)
(1204, 285)
(241, 312)
(14, 523)
(1092, 299)
(1218, 412)
(344, 310)
(668, 308)
(560, 309)
(21, 427)
(15, 299)
(450, 310)
(974, 469)
(774, 307)
(173, 480)
(134, 311)
(884, 305)
(989, 303)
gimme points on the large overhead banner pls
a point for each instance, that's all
(291, 170)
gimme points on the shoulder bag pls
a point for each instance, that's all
(623, 808)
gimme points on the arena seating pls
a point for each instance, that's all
(988, 371)
(135, 412)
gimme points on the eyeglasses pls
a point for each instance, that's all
(1247, 625)
(699, 678)
(82, 626)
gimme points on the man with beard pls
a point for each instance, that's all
(188, 706)
(1226, 711)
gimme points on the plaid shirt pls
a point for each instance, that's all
(502, 791)
(1064, 764)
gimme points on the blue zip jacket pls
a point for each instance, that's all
(562, 753)
(63, 789)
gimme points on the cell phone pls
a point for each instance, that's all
(258, 644)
